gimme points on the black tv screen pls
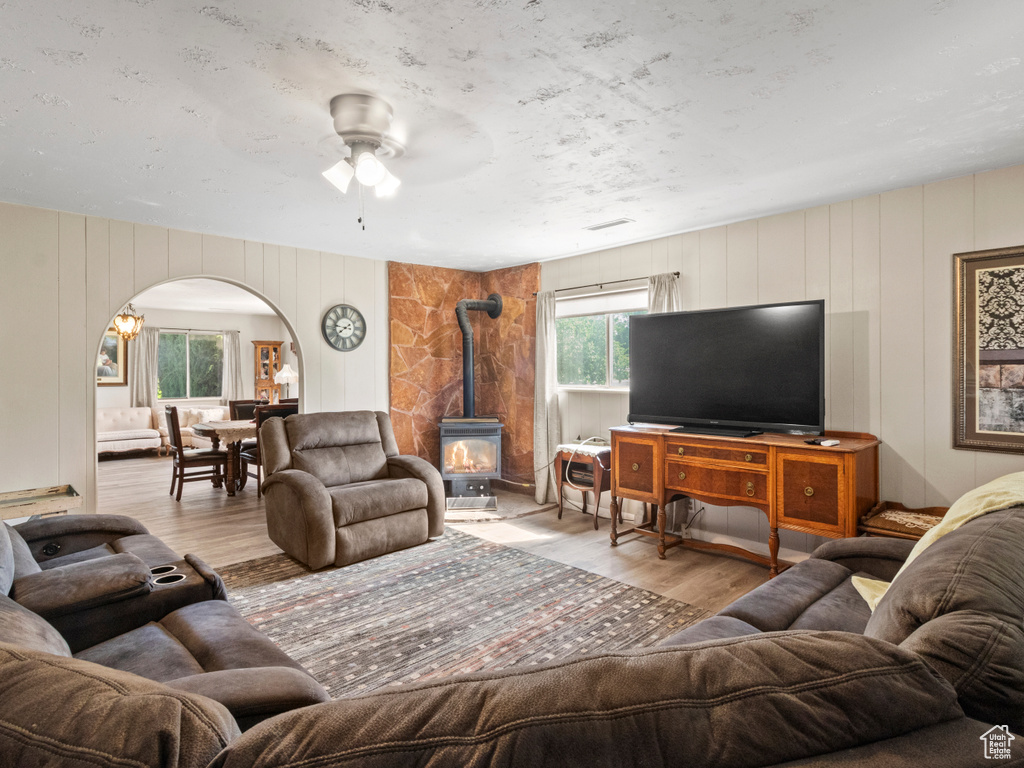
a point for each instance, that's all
(739, 370)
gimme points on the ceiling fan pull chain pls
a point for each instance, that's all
(362, 211)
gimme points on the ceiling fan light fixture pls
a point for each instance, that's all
(388, 186)
(340, 174)
(369, 170)
(363, 122)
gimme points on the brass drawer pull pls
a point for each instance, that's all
(636, 467)
(750, 488)
(808, 491)
(682, 475)
(680, 450)
(748, 457)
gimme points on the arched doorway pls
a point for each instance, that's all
(210, 331)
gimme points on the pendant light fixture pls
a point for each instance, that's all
(128, 323)
(363, 122)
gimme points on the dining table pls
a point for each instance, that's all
(231, 433)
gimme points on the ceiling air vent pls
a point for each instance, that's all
(605, 225)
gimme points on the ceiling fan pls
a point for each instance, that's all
(363, 121)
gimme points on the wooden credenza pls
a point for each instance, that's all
(800, 487)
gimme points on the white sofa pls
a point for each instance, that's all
(187, 416)
(119, 430)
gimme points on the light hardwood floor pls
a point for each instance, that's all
(224, 530)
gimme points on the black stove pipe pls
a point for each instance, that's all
(492, 306)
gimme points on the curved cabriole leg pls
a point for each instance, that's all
(614, 513)
(661, 530)
(773, 550)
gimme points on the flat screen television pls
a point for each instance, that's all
(733, 371)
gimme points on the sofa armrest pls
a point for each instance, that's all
(210, 576)
(72, 525)
(300, 516)
(81, 586)
(879, 556)
(74, 533)
(255, 693)
(421, 469)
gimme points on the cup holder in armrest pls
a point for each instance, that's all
(170, 578)
(163, 569)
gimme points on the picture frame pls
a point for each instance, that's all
(988, 350)
(112, 363)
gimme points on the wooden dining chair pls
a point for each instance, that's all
(242, 409)
(252, 456)
(212, 464)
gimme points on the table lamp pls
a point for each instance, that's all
(287, 375)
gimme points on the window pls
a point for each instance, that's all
(593, 337)
(190, 365)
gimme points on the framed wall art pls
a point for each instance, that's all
(988, 350)
(112, 365)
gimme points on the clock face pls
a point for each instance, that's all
(343, 327)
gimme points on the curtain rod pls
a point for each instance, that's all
(191, 330)
(606, 282)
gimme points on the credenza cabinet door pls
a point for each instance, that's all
(636, 468)
(812, 492)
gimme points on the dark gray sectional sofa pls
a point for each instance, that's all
(796, 673)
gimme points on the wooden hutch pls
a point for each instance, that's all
(267, 362)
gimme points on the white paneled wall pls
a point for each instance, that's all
(64, 278)
(884, 265)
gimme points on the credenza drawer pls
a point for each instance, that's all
(696, 449)
(736, 484)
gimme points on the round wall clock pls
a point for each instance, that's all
(343, 327)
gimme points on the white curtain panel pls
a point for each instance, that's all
(663, 294)
(546, 420)
(234, 387)
(142, 369)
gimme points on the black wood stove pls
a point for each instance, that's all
(471, 444)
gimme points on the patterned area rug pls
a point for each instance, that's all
(458, 604)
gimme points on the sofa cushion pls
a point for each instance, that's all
(842, 608)
(70, 712)
(21, 627)
(713, 628)
(149, 651)
(202, 637)
(776, 604)
(337, 448)
(116, 419)
(975, 568)
(959, 604)
(982, 657)
(752, 701)
(357, 502)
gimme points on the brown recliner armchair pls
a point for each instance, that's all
(338, 492)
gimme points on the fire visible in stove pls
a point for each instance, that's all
(470, 457)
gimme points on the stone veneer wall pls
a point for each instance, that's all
(426, 357)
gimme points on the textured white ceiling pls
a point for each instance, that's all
(525, 121)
